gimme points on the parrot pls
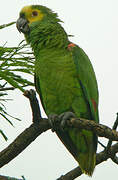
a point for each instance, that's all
(64, 79)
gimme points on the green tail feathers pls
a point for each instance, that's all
(87, 162)
(85, 144)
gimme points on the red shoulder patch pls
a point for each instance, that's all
(94, 104)
(70, 46)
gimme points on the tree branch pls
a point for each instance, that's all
(41, 125)
(36, 112)
(114, 128)
(100, 157)
(23, 140)
(99, 129)
(8, 178)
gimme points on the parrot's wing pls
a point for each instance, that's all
(87, 79)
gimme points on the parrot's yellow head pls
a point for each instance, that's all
(41, 27)
(32, 14)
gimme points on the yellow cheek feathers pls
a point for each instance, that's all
(28, 11)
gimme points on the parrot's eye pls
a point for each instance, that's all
(34, 13)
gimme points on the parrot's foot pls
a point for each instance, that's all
(59, 122)
(53, 121)
(64, 117)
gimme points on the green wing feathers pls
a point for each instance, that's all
(87, 80)
(86, 141)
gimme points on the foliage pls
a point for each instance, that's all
(15, 64)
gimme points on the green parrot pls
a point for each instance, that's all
(64, 79)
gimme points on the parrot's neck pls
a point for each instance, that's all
(47, 36)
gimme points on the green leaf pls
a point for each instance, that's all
(11, 81)
(15, 62)
(6, 25)
(6, 119)
(4, 136)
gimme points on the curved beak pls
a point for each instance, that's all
(22, 25)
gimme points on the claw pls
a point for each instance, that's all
(53, 119)
(64, 117)
(57, 122)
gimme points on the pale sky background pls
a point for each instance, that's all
(94, 24)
